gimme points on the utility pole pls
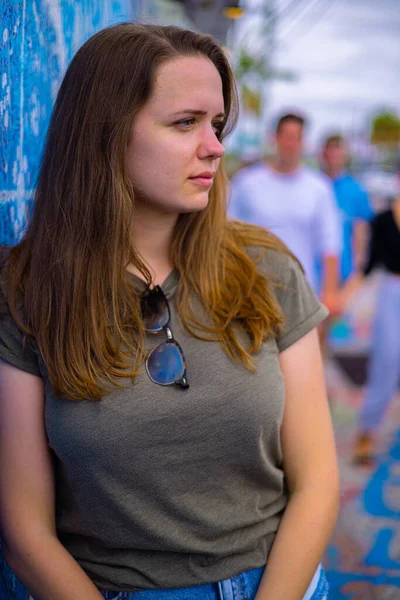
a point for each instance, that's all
(209, 17)
(252, 46)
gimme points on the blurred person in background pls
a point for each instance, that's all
(384, 362)
(353, 204)
(297, 204)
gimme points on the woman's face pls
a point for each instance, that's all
(174, 150)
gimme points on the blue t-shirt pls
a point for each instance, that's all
(353, 204)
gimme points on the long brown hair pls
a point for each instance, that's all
(69, 269)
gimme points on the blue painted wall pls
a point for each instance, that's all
(37, 40)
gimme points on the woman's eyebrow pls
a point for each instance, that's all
(193, 111)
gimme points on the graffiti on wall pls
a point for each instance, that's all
(37, 40)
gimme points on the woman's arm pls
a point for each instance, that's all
(27, 499)
(311, 471)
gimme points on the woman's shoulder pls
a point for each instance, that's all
(300, 307)
(278, 265)
(15, 346)
(287, 286)
(271, 256)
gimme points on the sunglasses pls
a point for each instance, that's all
(165, 364)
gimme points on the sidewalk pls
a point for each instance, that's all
(363, 558)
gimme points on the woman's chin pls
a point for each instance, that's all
(196, 204)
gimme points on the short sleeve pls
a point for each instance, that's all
(302, 311)
(13, 350)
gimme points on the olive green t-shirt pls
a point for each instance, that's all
(159, 487)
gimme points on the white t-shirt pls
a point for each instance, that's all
(298, 207)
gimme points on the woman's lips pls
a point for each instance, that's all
(203, 181)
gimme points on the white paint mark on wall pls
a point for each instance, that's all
(38, 28)
(35, 114)
(5, 35)
(9, 195)
(4, 104)
(18, 170)
(60, 47)
(79, 35)
(15, 175)
(54, 10)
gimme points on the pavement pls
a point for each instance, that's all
(363, 557)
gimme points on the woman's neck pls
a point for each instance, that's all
(152, 235)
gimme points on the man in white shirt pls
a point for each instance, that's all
(295, 203)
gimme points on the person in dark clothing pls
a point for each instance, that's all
(384, 362)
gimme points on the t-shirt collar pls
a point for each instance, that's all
(168, 286)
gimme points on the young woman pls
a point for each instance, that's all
(164, 430)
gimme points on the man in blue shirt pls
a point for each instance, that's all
(353, 203)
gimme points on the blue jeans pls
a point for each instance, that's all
(384, 362)
(239, 587)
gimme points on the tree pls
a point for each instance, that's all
(385, 129)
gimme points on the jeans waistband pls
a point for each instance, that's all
(243, 586)
(239, 587)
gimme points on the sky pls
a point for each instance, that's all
(345, 55)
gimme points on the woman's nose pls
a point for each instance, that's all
(210, 145)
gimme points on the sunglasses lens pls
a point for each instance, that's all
(165, 363)
(155, 311)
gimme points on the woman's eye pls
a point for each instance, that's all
(218, 127)
(186, 122)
